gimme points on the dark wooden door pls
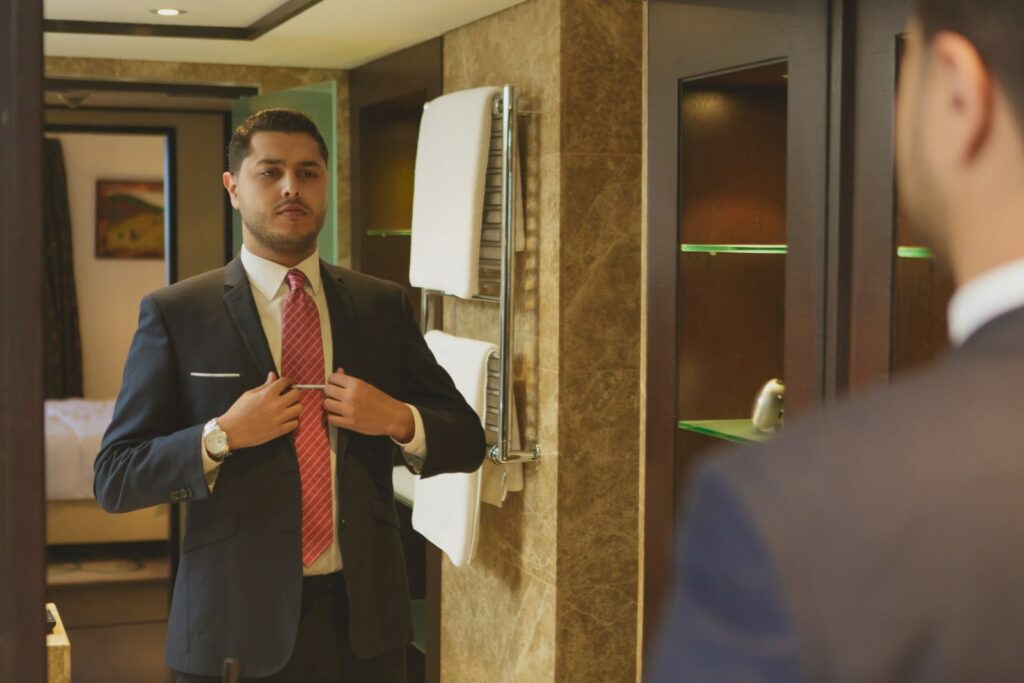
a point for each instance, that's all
(738, 153)
(22, 550)
(899, 294)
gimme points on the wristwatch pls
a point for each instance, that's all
(215, 441)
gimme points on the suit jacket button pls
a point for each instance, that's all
(341, 524)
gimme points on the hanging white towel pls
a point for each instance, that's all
(446, 507)
(448, 192)
(404, 483)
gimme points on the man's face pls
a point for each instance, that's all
(281, 193)
(920, 149)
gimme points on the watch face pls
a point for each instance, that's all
(216, 442)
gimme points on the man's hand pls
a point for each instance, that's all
(363, 408)
(262, 414)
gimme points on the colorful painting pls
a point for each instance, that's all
(129, 219)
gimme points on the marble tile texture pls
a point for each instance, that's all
(556, 579)
(498, 614)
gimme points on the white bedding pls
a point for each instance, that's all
(73, 431)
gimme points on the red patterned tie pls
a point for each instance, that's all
(302, 361)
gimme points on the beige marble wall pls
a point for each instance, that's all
(553, 592)
(642, 417)
(498, 614)
(268, 79)
(599, 341)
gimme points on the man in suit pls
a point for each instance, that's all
(291, 560)
(884, 540)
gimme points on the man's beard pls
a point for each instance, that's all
(281, 242)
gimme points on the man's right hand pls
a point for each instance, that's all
(262, 414)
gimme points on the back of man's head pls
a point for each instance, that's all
(271, 121)
(994, 27)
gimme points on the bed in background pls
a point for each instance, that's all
(73, 430)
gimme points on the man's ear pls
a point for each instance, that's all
(967, 92)
(231, 186)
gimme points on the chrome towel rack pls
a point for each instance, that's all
(497, 271)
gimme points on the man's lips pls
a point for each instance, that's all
(292, 210)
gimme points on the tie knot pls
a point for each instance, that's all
(296, 280)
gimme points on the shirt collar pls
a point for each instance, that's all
(985, 298)
(268, 277)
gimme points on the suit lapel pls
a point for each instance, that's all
(242, 307)
(346, 340)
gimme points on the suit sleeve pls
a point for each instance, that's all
(146, 458)
(726, 619)
(454, 438)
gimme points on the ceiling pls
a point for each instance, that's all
(333, 34)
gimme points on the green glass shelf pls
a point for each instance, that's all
(419, 622)
(914, 252)
(733, 248)
(389, 233)
(736, 431)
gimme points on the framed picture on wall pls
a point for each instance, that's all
(129, 219)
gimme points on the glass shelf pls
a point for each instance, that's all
(914, 252)
(736, 431)
(733, 248)
(389, 233)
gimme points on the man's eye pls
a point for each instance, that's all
(268, 172)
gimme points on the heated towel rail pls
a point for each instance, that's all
(497, 275)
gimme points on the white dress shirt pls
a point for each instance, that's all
(269, 290)
(985, 298)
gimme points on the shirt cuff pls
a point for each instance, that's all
(210, 466)
(417, 446)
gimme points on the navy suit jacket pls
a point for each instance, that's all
(880, 541)
(239, 583)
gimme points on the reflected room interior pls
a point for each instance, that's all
(112, 205)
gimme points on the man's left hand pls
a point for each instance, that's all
(361, 407)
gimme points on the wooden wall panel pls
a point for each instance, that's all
(22, 549)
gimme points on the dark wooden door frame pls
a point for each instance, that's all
(22, 507)
(874, 192)
(824, 261)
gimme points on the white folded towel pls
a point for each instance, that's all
(448, 192)
(404, 482)
(446, 507)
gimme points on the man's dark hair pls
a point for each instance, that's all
(271, 121)
(994, 27)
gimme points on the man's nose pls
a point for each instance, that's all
(290, 185)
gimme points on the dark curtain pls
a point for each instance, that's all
(62, 345)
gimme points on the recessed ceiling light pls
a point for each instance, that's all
(168, 12)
